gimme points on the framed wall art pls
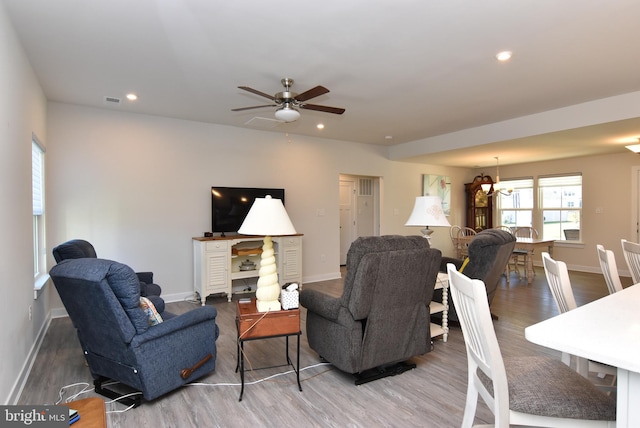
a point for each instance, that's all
(438, 185)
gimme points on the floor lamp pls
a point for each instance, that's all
(427, 211)
(267, 217)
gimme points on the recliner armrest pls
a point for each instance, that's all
(180, 322)
(446, 260)
(322, 304)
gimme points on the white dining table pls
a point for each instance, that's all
(606, 330)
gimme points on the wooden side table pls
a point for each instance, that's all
(254, 325)
(92, 412)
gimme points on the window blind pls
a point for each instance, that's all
(560, 180)
(37, 178)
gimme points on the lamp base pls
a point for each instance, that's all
(268, 305)
(268, 290)
(426, 233)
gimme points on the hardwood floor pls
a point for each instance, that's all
(432, 395)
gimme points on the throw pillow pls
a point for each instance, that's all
(148, 307)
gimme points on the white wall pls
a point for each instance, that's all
(138, 187)
(22, 112)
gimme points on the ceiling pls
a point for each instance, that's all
(410, 70)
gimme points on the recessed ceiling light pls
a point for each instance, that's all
(320, 126)
(504, 56)
(132, 97)
(388, 137)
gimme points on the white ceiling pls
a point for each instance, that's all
(410, 69)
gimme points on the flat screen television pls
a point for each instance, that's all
(230, 205)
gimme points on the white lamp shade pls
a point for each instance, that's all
(267, 217)
(427, 211)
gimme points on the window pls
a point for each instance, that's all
(561, 205)
(37, 182)
(516, 209)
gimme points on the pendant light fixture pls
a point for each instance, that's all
(487, 187)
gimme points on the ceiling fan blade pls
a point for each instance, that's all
(326, 109)
(255, 91)
(249, 108)
(312, 93)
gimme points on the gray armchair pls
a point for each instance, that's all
(489, 253)
(123, 343)
(382, 317)
(79, 248)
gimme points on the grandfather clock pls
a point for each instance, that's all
(479, 205)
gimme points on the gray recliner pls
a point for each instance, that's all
(382, 317)
(489, 253)
(121, 342)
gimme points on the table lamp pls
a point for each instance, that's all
(427, 211)
(267, 217)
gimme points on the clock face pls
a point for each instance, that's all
(482, 200)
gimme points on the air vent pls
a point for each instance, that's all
(113, 101)
(366, 187)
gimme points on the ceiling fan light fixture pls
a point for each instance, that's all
(635, 148)
(287, 114)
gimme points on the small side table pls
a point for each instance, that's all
(442, 282)
(254, 325)
(92, 412)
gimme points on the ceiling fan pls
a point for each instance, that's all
(289, 102)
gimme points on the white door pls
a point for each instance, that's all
(347, 217)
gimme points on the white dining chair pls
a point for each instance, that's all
(530, 390)
(560, 285)
(609, 269)
(631, 251)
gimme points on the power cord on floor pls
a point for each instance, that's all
(264, 379)
(86, 387)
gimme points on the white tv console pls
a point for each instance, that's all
(217, 263)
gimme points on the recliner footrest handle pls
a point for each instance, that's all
(185, 373)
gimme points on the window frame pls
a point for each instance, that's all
(515, 185)
(40, 275)
(562, 181)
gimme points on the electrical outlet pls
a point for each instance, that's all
(30, 312)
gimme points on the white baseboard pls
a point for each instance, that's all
(21, 380)
(318, 278)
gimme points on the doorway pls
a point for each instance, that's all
(359, 210)
(635, 203)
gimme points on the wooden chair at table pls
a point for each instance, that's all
(560, 285)
(529, 390)
(465, 234)
(453, 234)
(609, 269)
(523, 232)
(631, 252)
